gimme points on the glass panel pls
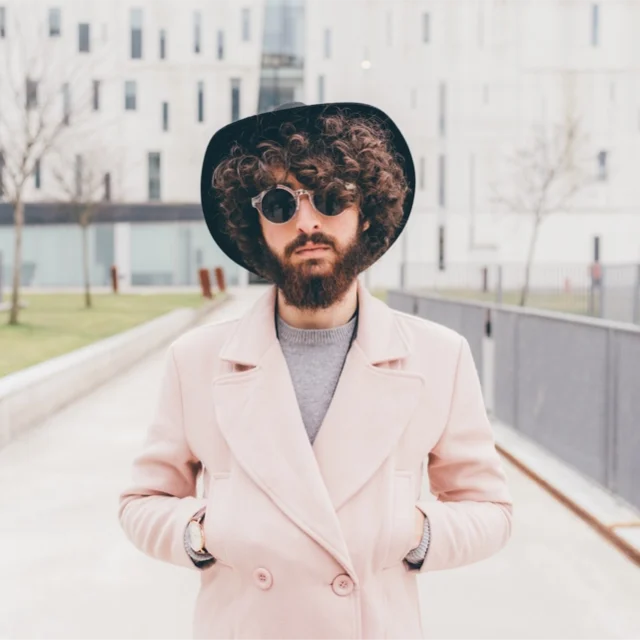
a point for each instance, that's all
(44, 265)
(197, 32)
(200, 101)
(235, 99)
(246, 25)
(220, 45)
(130, 95)
(83, 38)
(136, 34)
(55, 21)
(426, 27)
(154, 176)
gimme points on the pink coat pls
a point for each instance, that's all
(310, 540)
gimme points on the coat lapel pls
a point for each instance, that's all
(374, 402)
(259, 417)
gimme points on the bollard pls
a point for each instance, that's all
(220, 279)
(114, 279)
(205, 283)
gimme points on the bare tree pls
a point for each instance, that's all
(84, 183)
(544, 178)
(43, 94)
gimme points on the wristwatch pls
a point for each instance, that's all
(195, 532)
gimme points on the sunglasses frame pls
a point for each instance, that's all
(297, 194)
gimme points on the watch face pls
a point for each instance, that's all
(196, 537)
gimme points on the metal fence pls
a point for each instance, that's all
(605, 291)
(570, 384)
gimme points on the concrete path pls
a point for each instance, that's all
(67, 571)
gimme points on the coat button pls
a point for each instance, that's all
(342, 585)
(263, 579)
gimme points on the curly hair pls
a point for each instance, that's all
(351, 149)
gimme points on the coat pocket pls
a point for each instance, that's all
(217, 507)
(403, 518)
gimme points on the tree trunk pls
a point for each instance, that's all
(18, 221)
(532, 246)
(85, 264)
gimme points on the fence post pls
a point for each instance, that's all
(114, 278)
(220, 281)
(205, 283)
(636, 296)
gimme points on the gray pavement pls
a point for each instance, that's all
(67, 571)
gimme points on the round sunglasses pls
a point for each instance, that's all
(280, 204)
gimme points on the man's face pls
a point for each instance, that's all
(313, 258)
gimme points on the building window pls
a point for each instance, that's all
(220, 45)
(165, 116)
(603, 172)
(154, 176)
(163, 44)
(55, 22)
(442, 179)
(200, 101)
(84, 38)
(246, 25)
(595, 25)
(422, 173)
(3, 22)
(37, 174)
(107, 187)
(130, 95)
(197, 32)
(442, 119)
(389, 28)
(441, 256)
(426, 27)
(79, 172)
(327, 43)
(320, 88)
(66, 103)
(96, 95)
(1, 174)
(136, 34)
(32, 94)
(235, 99)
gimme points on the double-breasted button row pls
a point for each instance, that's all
(342, 585)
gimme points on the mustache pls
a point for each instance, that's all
(315, 238)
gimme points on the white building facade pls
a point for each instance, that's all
(466, 80)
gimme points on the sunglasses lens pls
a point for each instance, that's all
(332, 200)
(278, 205)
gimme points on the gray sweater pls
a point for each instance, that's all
(315, 358)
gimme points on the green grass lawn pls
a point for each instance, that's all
(55, 324)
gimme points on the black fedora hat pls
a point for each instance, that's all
(248, 132)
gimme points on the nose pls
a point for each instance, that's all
(308, 219)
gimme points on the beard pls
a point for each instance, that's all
(304, 286)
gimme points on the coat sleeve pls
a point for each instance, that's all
(159, 502)
(471, 518)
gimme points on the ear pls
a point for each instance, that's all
(366, 225)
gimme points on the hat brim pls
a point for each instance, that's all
(249, 131)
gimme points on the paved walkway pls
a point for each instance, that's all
(67, 571)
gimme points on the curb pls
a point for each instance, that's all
(612, 517)
(28, 397)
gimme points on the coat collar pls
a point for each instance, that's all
(378, 334)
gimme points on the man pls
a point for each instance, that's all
(310, 418)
